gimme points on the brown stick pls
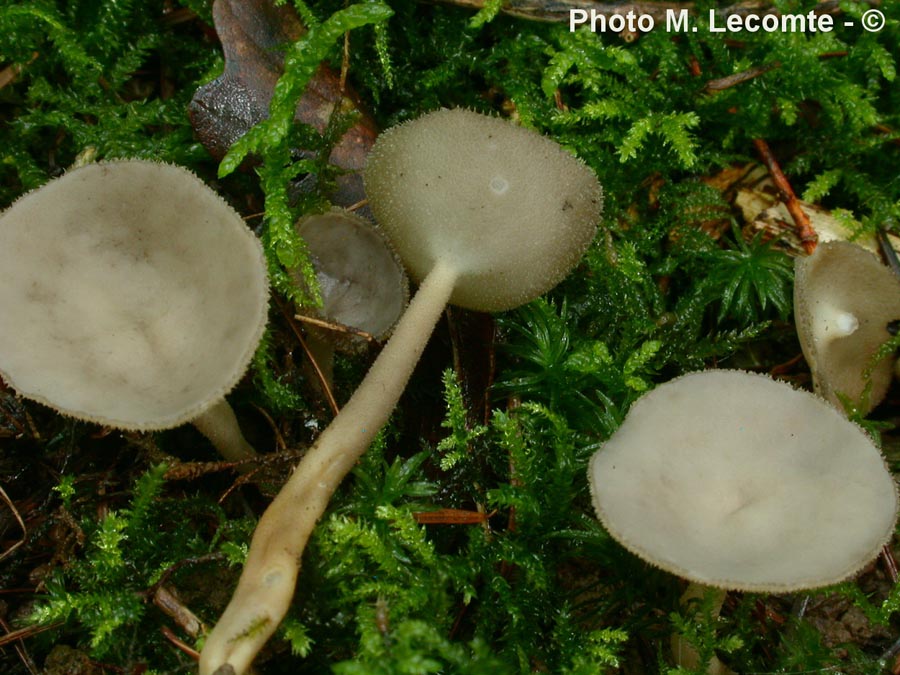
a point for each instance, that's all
(329, 396)
(27, 632)
(738, 78)
(890, 563)
(336, 327)
(808, 236)
(451, 517)
(180, 644)
(20, 650)
(12, 507)
(11, 72)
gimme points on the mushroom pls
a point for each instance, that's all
(363, 286)
(735, 481)
(487, 215)
(132, 296)
(844, 299)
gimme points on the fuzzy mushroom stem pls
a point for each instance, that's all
(267, 583)
(221, 427)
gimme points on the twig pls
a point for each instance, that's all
(336, 327)
(11, 72)
(738, 78)
(785, 367)
(358, 205)
(194, 470)
(184, 562)
(887, 250)
(808, 236)
(172, 607)
(890, 563)
(27, 632)
(329, 396)
(694, 67)
(21, 651)
(451, 517)
(18, 517)
(279, 438)
(183, 646)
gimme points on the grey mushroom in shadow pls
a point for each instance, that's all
(363, 286)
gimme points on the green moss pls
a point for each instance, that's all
(532, 583)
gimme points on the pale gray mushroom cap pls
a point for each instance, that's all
(131, 295)
(362, 282)
(509, 210)
(843, 300)
(734, 480)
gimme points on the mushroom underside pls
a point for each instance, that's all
(125, 308)
(734, 480)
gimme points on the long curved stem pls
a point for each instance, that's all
(267, 583)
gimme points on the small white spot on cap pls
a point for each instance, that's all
(499, 185)
(846, 323)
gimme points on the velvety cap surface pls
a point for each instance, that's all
(509, 210)
(734, 480)
(130, 294)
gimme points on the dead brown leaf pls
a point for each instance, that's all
(254, 34)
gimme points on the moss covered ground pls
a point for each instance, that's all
(132, 542)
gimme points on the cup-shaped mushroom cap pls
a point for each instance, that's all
(844, 299)
(734, 480)
(362, 282)
(509, 210)
(131, 294)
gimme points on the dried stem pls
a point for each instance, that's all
(738, 78)
(324, 380)
(11, 72)
(890, 563)
(27, 632)
(336, 327)
(18, 517)
(808, 236)
(21, 651)
(179, 643)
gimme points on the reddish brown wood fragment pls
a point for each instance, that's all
(11, 72)
(450, 517)
(172, 607)
(694, 66)
(180, 644)
(738, 78)
(805, 231)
